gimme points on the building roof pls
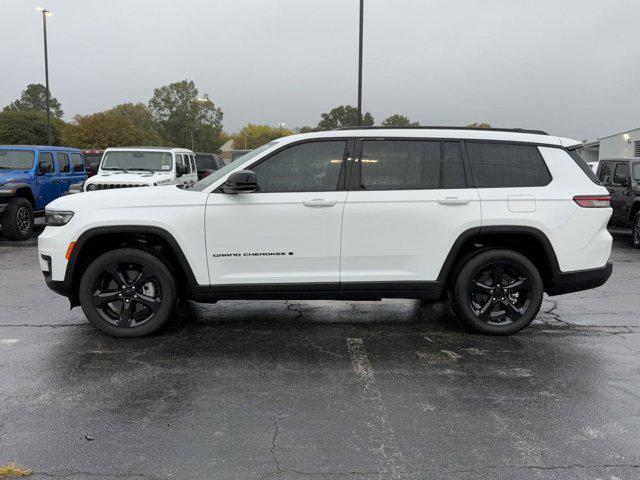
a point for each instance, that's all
(621, 133)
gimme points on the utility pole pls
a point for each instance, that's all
(45, 14)
(360, 64)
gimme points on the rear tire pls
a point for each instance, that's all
(498, 292)
(635, 236)
(127, 293)
(17, 219)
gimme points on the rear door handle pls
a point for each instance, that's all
(453, 201)
(319, 202)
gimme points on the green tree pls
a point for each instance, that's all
(343, 116)
(254, 136)
(479, 125)
(124, 125)
(397, 120)
(185, 118)
(26, 128)
(34, 99)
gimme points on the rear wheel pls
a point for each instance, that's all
(17, 219)
(636, 231)
(498, 292)
(127, 293)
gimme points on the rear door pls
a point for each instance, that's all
(64, 175)
(408, 202)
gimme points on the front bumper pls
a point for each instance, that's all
(568, 282)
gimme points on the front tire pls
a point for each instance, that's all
(498, 292)
(17, 219)
(635, 237)
(127, 293)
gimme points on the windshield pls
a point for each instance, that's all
(137, 160)
(218, 174)
(16, 159)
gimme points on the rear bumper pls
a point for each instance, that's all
(567, 282)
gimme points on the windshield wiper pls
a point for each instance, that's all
(142, 169)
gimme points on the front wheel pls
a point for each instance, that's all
(17, 219)
(498, 292)
(127, 293)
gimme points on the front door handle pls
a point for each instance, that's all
(319, 202)
(453, 201)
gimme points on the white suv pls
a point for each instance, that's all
(489, 218)
(143, 167)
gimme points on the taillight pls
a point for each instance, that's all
(593, 201)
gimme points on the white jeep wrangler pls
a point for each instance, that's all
(142, 167)
(489, 218)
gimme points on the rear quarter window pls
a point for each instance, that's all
(503, 165)
(584, 166)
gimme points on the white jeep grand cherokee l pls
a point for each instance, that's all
(489, 218)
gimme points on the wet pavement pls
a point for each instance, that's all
(321, 390)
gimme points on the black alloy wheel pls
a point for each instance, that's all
(498, 292)
(127, 293)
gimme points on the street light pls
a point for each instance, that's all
(360, 63)
(46, 13)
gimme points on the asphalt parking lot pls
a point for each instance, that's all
(284, 390)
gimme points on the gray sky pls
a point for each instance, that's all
(571, 67)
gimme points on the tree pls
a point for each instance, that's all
(186, 119)
(343, 116)
(34, 99)
(26, 128)
(398, 121)
(123, 125)
(254, 136)
(479, 125)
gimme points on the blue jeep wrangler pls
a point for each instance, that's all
(30, 178)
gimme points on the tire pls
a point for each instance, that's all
(635, 236)
(503, 307)
(17, 219)
(127, 293)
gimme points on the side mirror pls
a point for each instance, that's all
(622, 180)
(181, 170)
(242, 181)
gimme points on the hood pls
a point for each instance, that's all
(142, 178)
(7, 176)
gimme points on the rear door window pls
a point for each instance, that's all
(499, 165)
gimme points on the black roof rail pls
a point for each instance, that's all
(513, 130)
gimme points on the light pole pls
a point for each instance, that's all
(46, 13)
(281, 127)
(360, 64)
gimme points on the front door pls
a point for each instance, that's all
(407, 204)
(46, 179)
(287, 232)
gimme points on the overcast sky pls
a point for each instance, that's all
(571, 67)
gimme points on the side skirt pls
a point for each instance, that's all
(321, 291)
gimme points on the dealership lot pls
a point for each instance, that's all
(393, 389)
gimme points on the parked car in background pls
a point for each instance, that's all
(92, 160)
(125, 167)
(207, 163)
(490, 219)
(621, 176)
(30, 178)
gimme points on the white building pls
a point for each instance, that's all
(620, 145)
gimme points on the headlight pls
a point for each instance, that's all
(76, 187)
(91, 187)
(55, 219)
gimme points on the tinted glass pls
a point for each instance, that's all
(452, 166)
(308, 167)
(496, 165)
(137, 160)
(45, 162)
(605, 174)
(400, 164)
(16, 159)
(78, 165)
(621, 172)
(63, 163)
(207, 162)
(636, 171)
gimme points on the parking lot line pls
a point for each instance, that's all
(389, 450)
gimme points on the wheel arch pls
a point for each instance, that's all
(635, 208)
(155, 240)
(20, 190)
(529, 241)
